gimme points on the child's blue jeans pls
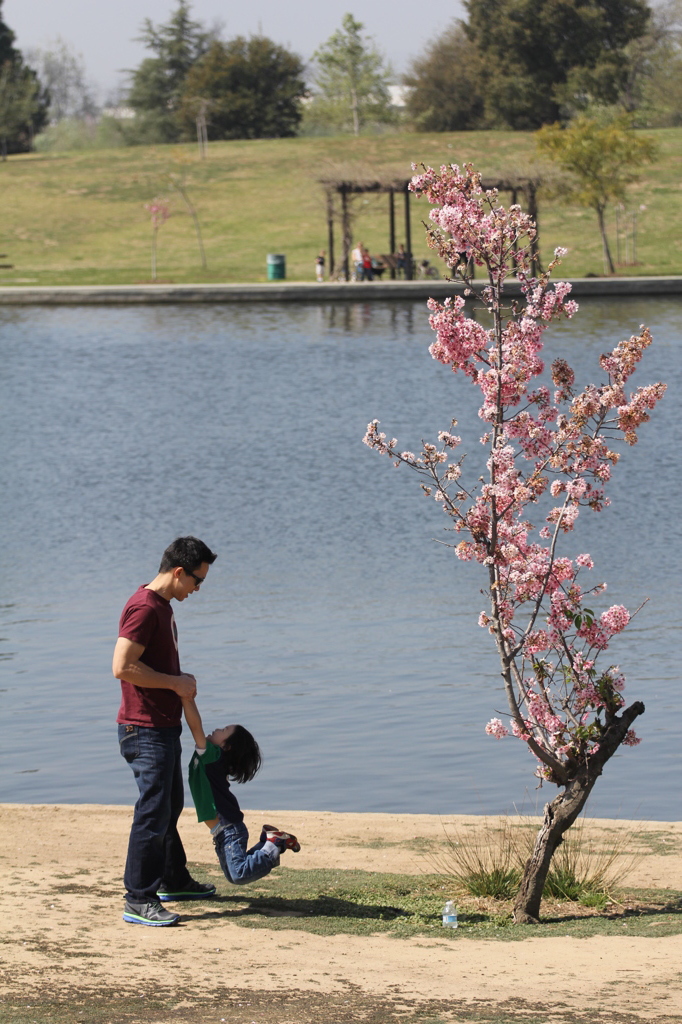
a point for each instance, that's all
(239, 865)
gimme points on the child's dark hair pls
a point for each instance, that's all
(241, 757)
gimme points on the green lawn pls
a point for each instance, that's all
(79, 218)
(329, 902)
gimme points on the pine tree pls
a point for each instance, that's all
(158, 82)
(23, 103)
(351, 81)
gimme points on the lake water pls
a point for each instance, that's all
(332, 625)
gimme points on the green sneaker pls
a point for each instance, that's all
(151, 913)
(193, 890)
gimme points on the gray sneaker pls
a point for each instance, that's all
(193, 890)
(149, 913)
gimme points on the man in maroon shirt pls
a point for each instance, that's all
(147, 662)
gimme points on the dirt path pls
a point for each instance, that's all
(63, 938)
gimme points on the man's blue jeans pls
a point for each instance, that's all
(240, 866)
(155, 851)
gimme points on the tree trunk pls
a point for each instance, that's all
(559, 816)
(354, 108)
(154, 232)
(197, 228)
(608, 262)
(562, 812)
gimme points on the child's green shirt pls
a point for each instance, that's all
(199, 785)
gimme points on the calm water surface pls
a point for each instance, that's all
(333, 625)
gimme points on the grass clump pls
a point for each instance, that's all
(587, 867)
(485, 861)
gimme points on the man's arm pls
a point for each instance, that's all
(193, 719)
(127, 666)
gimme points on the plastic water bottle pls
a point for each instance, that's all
(449, 915)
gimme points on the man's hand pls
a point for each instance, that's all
(127, 666)
(186, 686)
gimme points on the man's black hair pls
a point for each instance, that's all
(188, 553)
(241, 756)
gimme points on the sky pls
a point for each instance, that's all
(104, 32)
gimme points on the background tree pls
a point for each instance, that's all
(654, 87)
(249, 88)
(351, 82)
(23, 103)
(540, 55)
(602, 155)
(7, 37)
(19, 105)
(63, 75)
(158, 82)
(159, 211)
(445, 84)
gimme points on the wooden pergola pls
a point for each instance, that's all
(344, 189)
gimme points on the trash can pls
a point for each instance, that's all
(277, 266)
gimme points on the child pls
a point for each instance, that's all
(228, 754)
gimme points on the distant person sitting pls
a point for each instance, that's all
(357, 258)
(367, 269)
(378, 267)
(401, 261)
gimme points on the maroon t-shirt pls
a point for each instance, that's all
(147, 619)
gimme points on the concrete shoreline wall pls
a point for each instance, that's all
(282, 291)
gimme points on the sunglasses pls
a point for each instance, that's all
(198, 580)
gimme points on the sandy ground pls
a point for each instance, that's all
(62, 932)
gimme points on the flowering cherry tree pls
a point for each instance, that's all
(550, 453)
(159, 211)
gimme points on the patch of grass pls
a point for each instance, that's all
(79, 217)
(420, 844)
(331, 902)
(663, 842)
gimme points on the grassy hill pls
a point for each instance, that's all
(79, 218)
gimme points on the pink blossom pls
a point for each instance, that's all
(451, 440)
(584, 561)
(522, 734)
(631, 739)
(615, 618)
(535, 642)
(496, 728)
(160, 212)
